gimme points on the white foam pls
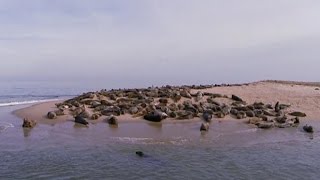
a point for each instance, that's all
(246, 131)
(26, 102)
(133, 140)
(5, 125)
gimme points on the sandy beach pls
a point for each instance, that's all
(304, 97)
(301, 96)
(39, 111)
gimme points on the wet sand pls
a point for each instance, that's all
(303, 97)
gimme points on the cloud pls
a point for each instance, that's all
(178, 41)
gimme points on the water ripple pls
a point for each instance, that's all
(151, 141)
(5, 125)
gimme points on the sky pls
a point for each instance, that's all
(160, 41)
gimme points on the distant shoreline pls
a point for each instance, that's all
(314, 84)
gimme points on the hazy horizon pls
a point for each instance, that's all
(159, 42)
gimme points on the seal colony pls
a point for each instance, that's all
(176, 103)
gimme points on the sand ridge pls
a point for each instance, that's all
(301, 97)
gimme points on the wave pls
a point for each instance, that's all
(27, 95)
(246, 131)
(35, 96)
(131, 139)
(15, 103)
(151, 141)
(5, 125)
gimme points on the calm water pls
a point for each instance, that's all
(230, 150)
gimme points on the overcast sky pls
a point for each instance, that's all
(164, 41)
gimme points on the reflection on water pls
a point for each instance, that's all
(155, 126)
(26, 132)
(78, 125)
(230, 150)
(309, 135)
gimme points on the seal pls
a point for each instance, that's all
(112, 120)
(236, 98)
(140, 153)
(27, 123)
(298, 114)
(156, 116)
(95, 116)
(308, 129)
(207, 116)
(80, 120)
(51, 115)
(277, 107)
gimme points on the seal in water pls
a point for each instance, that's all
(28, 123)
(308, 129)
(140, 153)
(207, 116)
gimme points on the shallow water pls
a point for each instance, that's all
(230, 150)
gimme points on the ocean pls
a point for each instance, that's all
(230, 150)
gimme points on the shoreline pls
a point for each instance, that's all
(300, 96)
(313, 84)
(32, 113)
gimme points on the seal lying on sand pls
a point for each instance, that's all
(178, 102)
(112, 120)
(51, 115)
(155, 116)
(80, 120)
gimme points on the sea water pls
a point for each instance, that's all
(230, 150)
